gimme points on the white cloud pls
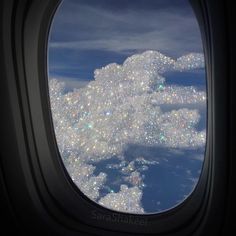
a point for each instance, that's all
(71, 83)
(126, 200)
(122, 107)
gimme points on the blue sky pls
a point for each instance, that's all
(88, 34)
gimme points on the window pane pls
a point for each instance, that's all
(128, 98)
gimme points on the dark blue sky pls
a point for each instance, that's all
(88, 34)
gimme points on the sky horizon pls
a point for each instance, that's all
(87, 35)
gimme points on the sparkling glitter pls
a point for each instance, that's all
(189, 62)
(126, 200)
(123, 106)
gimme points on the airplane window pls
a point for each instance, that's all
(128, 97)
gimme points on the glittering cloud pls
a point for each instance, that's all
(123, 106)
